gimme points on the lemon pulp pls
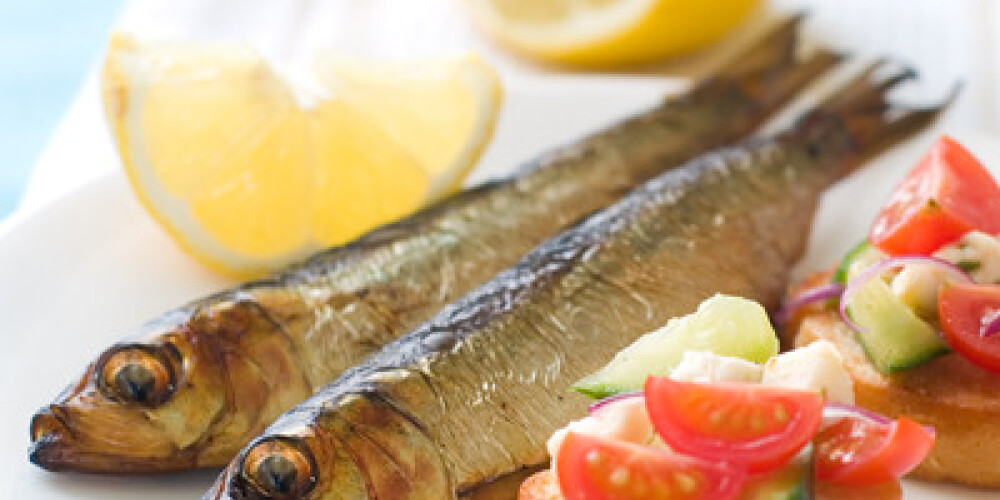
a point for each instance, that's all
(220, 152)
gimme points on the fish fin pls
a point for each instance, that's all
(773, 69)
(909, 120)
(861, 118)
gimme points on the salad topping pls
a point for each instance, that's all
(691, 440)
(927, 280)
(721, 427)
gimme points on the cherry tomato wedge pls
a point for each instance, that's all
(755, 426)
(947, 194)
(854, 451)
(593, 468)
(965, 311)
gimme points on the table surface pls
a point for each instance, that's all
(946, 41)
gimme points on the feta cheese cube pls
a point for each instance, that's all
(917, 286)
(976, 252)
(707, 367)
(815, 367)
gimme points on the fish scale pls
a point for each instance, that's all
(733, 221)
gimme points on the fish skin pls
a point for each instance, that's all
(237, 359)
(474, 393)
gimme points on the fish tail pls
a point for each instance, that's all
(772, 70)
(862, 120)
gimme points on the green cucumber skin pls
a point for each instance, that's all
(723, 325)
(899, 364)
(916, 361)
(920, 353)
(860, 251)
(892, 337)
(801, 491)
(596, 391)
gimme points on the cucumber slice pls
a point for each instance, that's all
(791, 482)
(723, 325)
(893, 337)
(859, 258)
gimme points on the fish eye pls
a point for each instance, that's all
(276, 469)
(138, 374)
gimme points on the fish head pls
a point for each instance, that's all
(194, 388)
(287, 466)
(369, 451)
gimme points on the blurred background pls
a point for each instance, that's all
(54, 138)
(46, 50)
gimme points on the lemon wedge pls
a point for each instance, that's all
(595, 33)
(221, 151)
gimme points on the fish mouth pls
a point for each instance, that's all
(55, 447)
(50, 452)
(50, 439)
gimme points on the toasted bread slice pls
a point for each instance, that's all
(960, 400)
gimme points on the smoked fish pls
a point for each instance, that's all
(474, 393)
(192, 387)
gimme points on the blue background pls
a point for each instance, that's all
(46, 49)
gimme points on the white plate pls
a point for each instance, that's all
(79, 273)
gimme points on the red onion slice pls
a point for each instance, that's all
(991, 324)
(594, 408)
(805, 298)
(951, 270)
(831, 412)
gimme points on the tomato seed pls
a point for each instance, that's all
(780, 414)
(594, 458)
(715, 418)
(685, 482)
(619, 477)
